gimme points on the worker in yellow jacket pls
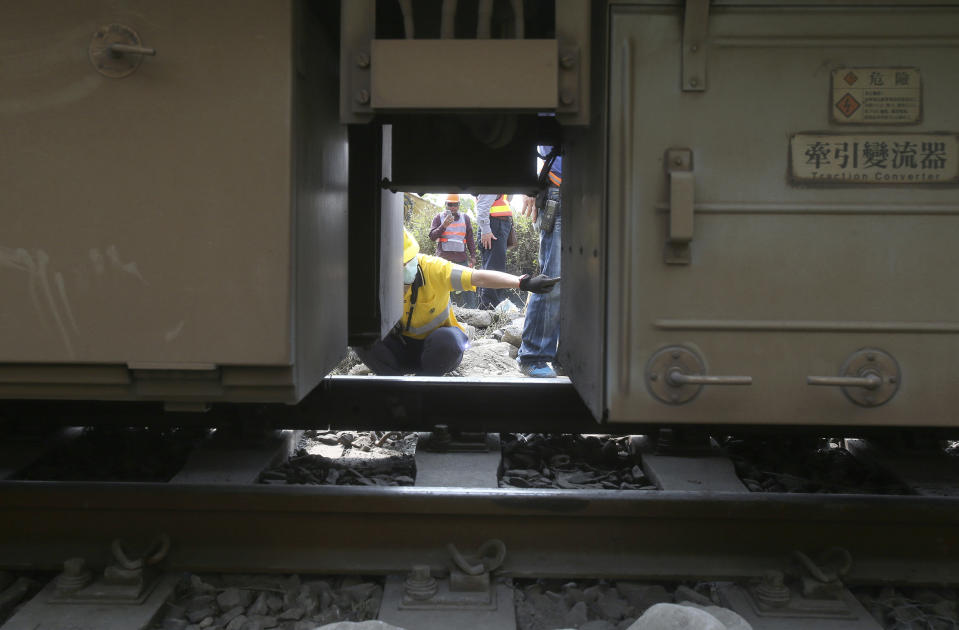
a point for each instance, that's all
(428, 340)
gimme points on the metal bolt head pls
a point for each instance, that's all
(567, 61)
(675, 355)
(420, 572)
(566, 98)
(694, 48)
(693, 82)
(891, 380)
(74, 566)
(363, 60)
(363, 97)
(420, 586)
(653, 376)
(773, 578)
(870, 357)
(678, 161)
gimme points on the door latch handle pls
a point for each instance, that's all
(869, 377)
(676, 377)
(126, 49)
(116, 51)
(869, 381)
(679, 167)
(677, 374)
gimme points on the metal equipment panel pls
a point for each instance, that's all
(515, 74)
(729, 259)
(146, 214)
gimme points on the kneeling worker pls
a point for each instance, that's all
(428, 340)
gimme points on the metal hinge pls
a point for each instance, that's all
(695, 31)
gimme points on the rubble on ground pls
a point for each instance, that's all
(348, 458)
(264, 602)
(570, 461)
(823, 466)
(494, 340)
(602, 605)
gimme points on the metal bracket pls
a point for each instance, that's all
(126, 582)
(573, 33)
(357, 27)
(468, 587)
(679, 167)
(813, 591)
(695, 30)
(375, 75)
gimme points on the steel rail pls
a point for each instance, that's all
(560, 533)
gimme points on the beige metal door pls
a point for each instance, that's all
(146, 219)
(785, 277)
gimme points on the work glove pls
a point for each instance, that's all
(537, 284)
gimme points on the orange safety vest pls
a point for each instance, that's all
(555, 179)
(453, 238)
(500, 208)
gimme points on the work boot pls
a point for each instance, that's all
(539, 369)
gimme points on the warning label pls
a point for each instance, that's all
(876, 96)
(889, 158)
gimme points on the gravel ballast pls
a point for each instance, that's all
(348, 458)
(570, 461)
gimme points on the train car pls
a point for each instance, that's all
(201, 203)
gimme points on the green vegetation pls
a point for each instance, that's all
(418, 215)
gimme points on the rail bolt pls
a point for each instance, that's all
(420, 585)
(75, 575)
(772, 591)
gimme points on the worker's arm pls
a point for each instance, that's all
(498, 280)
(489, 279)
(529, 207)
(483, 204)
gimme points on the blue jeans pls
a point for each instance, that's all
(394, 355)
(541, 330)
(494, 258)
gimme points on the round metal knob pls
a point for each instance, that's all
(116, 51)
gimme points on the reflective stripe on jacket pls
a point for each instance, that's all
(454, 236)
(500, 208)
(432, 309)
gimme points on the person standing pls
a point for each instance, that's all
(495, 219)
(452, 231)
(427, 340)
(541, 328)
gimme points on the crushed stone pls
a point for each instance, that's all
(264, 602)
(348, 458)
(770, 464)
(570, 461)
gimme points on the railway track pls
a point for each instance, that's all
(628, 534)
(219, 520)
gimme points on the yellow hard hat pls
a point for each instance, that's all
(410, 247)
